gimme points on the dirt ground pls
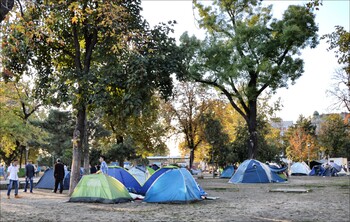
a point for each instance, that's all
(328, 199)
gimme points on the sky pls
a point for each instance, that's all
(308, 94)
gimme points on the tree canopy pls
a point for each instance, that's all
(87, 54)
(246, 52)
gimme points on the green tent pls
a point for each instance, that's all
(100, 188)
(150, 170)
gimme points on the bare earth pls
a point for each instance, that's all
(328, 199)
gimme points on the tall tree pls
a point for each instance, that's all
(247, 52)
(214, 135)
(82, 51)
(189, 104)
(17, 109)
(303, 145)
(339, 40)
(334, 136)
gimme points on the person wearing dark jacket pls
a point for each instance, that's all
(59, 175)
(30, 172)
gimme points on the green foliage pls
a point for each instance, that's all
(122, 151)
(60, 126)
(90, 54)
(339, 40)
(94, 156)
(247, 52)
(269, 145)
(334, 136)
(16, 130)
(147, 131)
(218, 140)
(22, 172)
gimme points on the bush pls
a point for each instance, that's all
(22, 172)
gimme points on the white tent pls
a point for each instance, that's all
(140, 173)
(300, 168)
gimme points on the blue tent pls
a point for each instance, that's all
(154, 176)
(277, 169)
(47, 180)
(128, 180)
(174, 186)
(316, 170)
(228, 172)
(253, 171)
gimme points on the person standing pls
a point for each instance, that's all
(13, 178)
(2, 171)
(104, 167)
(59, 175)
(30, 172)
(93, 169)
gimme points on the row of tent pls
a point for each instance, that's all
(139, 180)
(138, 173)
(166, 185)
(253, 171)
(319, 168)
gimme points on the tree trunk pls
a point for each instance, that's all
(86, 149)
(191, 157)
(5, 7)
(120, 140)
(21, 148)
(253, 134)
(78, 138)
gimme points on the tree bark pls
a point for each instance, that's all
(5, 7)
(120, 140)
(78, 138)
(86, 149)
(253, 134)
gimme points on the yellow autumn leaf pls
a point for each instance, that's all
(74, 20)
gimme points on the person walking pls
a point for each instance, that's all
(13, 178)
(104, 167)
(30, 172)
(59, 175)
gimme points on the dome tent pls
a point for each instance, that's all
(300, 168)
(122, 175)
(154, 176)
(228, 172)
(100, 188)
(174, 186)
(253, 171)
(141, 173)
(47, 180)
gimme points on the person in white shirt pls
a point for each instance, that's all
(13, 178)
